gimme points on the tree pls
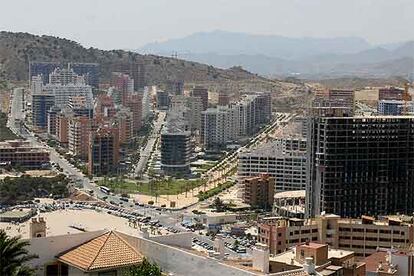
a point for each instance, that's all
(144, 269)
(236, 244)
(218, 205)
(14, 255)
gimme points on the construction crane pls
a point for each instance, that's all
(406, 97)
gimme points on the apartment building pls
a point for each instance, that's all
(163, 100)
(258, 191)
(123, 120)
(191, 107)
(284, 159)
(136, 70)
(41, 103)
(394, 107)
(363, 236)
(219, 126)
(79, 128)
(42, 69)
(80, 106)
(360, 165)
(62, 136)
(65, 76)
(254, 109)
(124, 84)
(201, 92)
(104, 107)
(52, 115)
(90, 71)
(176, 146)
(63, 93)
(175, 87)
(23, 154)
(224, 98)
(146, 104)
(134, 103)
(103, 153)
(390, 93)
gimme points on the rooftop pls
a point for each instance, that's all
(290, 194)
(275, 149)
(103, 252)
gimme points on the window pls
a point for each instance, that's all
(52, 270)
(57, 269)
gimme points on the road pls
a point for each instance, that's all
(166, 217)
(218, 174)
(146, 152)
(15, 123)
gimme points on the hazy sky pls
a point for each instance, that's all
(132, 23)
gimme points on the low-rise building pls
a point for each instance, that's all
(317, 259)
(19, 153)
(363, 236)
(386, 262)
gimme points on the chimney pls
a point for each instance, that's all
(309, 266)
(219, 245)
(38, 228)
(261, 257)
(145, 233)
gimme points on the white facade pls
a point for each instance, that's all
(65, 77)
(63, 93)
(146, 104)
(171, 259)
(36, 84)
(284, 159)
(219, 126)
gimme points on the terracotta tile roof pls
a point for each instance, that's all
(296, 273)
(103, 252)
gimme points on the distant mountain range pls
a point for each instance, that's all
(301, 57)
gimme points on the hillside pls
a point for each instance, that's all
(16, 49)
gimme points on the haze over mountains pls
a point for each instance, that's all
(283, 56)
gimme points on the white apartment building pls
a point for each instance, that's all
(63, 93)
(65, 77)
(284, 159)
(146, 103)
(219, 126)
(63, 84)
(191, 107)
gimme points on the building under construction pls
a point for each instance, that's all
(360, 165)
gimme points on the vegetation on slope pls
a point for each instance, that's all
(18, 189)
(5, 132)
(17, 49)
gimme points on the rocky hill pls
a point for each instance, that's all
(17, 49)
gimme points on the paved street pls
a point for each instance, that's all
(167, 218)
(146, 152)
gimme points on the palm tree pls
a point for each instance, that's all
(14, 255)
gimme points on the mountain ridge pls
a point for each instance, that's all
(363, 58)
(17, 49)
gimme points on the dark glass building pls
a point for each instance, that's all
(360, 165)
